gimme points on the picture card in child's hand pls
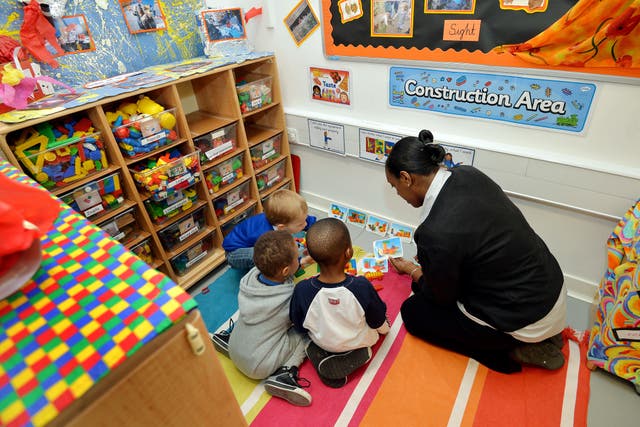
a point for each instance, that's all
(404, 232)
(377, 225)
(337, 211)
(375, 264)
(386, 248)
(357, 218)
(351, 267)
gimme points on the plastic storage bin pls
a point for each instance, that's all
(176, 173)
(122, 227)
(145, 133)
(226, 228)
(267, 151)
(186, 260)
(231, 200)
(224, 173)
(254, 92)
(180, 201)
(271, 176)
(216, 143)
(143, 251)
(96, 198)
(61, 162)
(177, 233)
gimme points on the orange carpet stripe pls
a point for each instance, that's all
(421, 387)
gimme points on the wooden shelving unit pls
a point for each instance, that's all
(204, 105)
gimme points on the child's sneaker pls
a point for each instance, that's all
(286, 384)
(339, 365)
(333, 383)
(221, 339)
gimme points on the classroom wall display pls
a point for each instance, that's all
(115, 49)
(301, 22)
(375, 146)
(330, 85)
(326, 136)
(601, 38)
(553, 104)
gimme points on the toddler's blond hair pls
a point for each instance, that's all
(285, 206)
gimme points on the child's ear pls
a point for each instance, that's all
(286, 272)
(280, 227)
(349, 252)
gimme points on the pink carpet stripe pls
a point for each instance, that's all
(328, 403)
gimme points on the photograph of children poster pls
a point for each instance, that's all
(301, 22)
(73, 35)
(392, 18)
(450, 6)
(143, 15)
(376, 146)
(224, 24)
(329, 85)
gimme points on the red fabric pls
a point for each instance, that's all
(7, 46)
(35, 30)
(20, 202)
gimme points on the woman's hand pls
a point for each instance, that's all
(306, 261)
(402, 265)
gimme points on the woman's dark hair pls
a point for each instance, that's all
(415, 155)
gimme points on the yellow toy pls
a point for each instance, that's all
(147, 106)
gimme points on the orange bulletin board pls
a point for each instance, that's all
(595, 37)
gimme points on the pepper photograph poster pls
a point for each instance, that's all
(595, 37)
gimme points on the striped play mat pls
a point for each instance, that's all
(412, 383)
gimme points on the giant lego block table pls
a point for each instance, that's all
(97, 337)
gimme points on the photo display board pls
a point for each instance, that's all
(584, 36)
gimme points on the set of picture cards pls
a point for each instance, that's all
(372, 223)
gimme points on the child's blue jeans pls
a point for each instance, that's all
(241, 258)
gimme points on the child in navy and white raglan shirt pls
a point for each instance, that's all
(343, 314)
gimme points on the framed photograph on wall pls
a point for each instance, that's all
(392, 18)
(143, 15)
(73, 35)
(301, 22)
(350, 10)
(224, 24)
(451, 6)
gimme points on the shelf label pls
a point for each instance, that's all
(196, 259)
(187, 228)
(175, 206)
(229, 177)
(256, 103)
(119, 236)
(217, 134)
(153, 138)
(94, 210)
(220, 149)
(191, 232)
(111, 229)
(272, 177)
(182, 179)
(177, 170)
(230, 206)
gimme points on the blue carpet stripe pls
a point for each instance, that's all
(221, 302)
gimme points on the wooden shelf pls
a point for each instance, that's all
(201, 103)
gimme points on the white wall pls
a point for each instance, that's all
(571, 188)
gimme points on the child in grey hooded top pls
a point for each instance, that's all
(263, 343)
